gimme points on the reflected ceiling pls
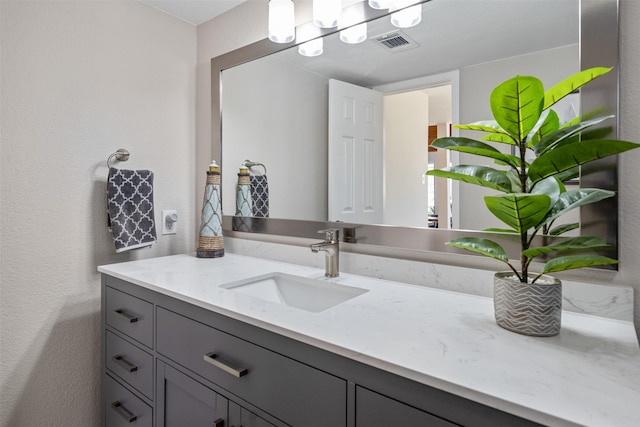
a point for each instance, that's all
(439, 36)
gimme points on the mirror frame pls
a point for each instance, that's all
(598, 47)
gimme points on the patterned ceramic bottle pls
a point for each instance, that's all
(210, 240)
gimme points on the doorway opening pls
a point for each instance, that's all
(413, 119)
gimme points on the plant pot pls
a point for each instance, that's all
(525, 308)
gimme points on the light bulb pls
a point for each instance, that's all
(355, 34)
(407, 17)
(282, 22)
(380, 4)
(311, 48)
(326, 13)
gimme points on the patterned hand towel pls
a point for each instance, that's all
(130, 198)
(260, 195)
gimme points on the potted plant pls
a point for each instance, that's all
(544, 154)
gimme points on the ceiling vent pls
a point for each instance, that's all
(395, 41)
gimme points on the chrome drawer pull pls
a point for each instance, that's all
(117, 406)
(124, 364)
(218, 363)
(127, 317)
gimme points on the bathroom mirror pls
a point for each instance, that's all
(288, 132)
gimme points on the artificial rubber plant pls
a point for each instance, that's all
(546, 153)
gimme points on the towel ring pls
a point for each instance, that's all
(250, 164)
(121, 155)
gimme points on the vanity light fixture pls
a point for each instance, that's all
(408, 16)
(355, 34)
(326, 13)
(380, 4)
(282, 23)
(311, 48)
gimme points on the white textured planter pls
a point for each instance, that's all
(528, 309)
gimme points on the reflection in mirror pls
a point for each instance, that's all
(325, 166)
(277, 112)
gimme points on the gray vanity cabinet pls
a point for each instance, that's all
(240, 417)
(183, 401)
(374, 409)
(294, 392)
(170, 363)
(122, 406)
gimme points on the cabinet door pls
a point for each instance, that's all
(373, 410)
(240, 417)
(183, 401)
(291, 391)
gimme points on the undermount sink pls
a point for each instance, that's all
(295, 291)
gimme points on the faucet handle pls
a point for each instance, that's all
(330, 234)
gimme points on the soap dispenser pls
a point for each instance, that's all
(210, 240)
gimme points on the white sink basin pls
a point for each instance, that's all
(300, 292)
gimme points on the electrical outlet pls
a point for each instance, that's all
(169, 222)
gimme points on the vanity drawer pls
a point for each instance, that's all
(130, 363)
(123, 408)
(130, 315)
(289, 390)
(376, 410)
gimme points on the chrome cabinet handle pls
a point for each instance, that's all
(127, 317)
(213, 359)
(122, 411)
(124, 364)
(218, 423)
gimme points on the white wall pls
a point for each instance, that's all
(439, 104)
(480, 80)
(406, 120)
(269, 124)
(80, 79)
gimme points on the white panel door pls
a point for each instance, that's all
(356, 163)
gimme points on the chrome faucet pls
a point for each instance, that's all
(331, 248)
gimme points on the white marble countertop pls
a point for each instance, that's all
(587, 375)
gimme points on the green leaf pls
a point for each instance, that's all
(565, 135)
(519, 211)
(569, 156)
(568, 174)
(502, 138)
(479, 175)
(572, 199)
(549, 186)
(514, 178)
(571, 83)
(576, 243)
(467, 145)
(572, 122)
(571, 262)
(561, 229)
(490, 126)
(481, 246)
(548, 123)
(500, 230)
(516, 105)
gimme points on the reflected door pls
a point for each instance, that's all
(355, 154)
